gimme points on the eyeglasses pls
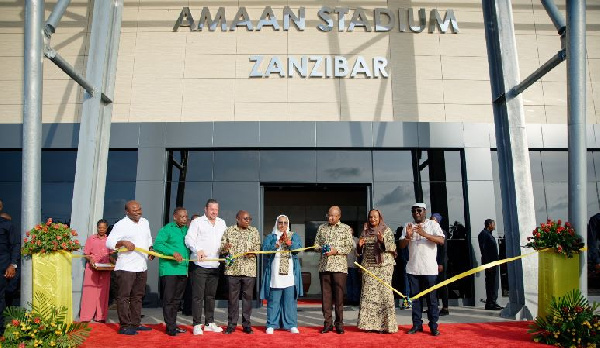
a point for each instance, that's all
(417, 210)
(247, 218)
(282, 222)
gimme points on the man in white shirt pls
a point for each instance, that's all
(204, 241)
(132, 231)
(423, 235)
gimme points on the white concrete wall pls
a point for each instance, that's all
(188, 76)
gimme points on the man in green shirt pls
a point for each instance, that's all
(173, 273)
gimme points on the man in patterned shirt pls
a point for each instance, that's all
(241, 274)
(333, 267)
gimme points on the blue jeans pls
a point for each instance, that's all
(282, 308)
(419, 283)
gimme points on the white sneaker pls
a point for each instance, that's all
(294, 330)
(213, 327)
(269, 331)
(198, 329)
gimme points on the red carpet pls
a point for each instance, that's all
(496, 335)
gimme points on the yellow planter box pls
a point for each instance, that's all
(52, 276)
(557, 275)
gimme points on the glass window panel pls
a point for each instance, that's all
(589, 163)
(56, 201)
(539, 197)
(392, 166)
(596, 156)
(422, 159)
(58, 166)
(555, 166)
(115, 197)
(10, 193)
(288, 166)
(593, 205)
(535, 165)
(453, 161)
(11, 166)
(557, 200)
(236, 166)
(344, 167)
(394, 199)
(199, 166)
(235, 196)
(122, 165)
(195, 196)
(456, 204)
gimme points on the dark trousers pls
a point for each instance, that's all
(333, 286)
(131, 287)
(186, 306)
(204, 290)
(246, 286)
(443, 291)
(419, 283)
(353, 286)
(173, 287)
(491, 285)
(3, 285)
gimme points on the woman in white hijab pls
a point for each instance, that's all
(282, 280)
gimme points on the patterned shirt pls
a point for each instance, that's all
(241, 241)
(338, 236)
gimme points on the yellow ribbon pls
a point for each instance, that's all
(161, 256)
(379, 280)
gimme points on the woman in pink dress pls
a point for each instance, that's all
(96, 284)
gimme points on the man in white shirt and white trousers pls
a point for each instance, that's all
(204, 241)
(132, 231)
(423, 235)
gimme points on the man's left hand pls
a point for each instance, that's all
(10, 272)
(177, 257)
(440, 268)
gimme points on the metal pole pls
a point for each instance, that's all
(576, 90)
(55, 16)
(32, 132)
(555, 15)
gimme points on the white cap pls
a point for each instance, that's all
(420, 205)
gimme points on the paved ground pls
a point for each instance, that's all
(310, 315)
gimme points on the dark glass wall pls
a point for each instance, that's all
(58, 175)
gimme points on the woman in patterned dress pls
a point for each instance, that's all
(282, 280)
(378, 250)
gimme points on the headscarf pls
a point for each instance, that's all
(438, 217)
(284, 258)
(374, 231)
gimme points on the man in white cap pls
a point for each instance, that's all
(423, 235)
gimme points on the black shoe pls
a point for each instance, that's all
(143, 328)
(180, 330)
(339, 329)
(493, 307)
(414, 329)
(444, 312)
(172, 333)
(435, 332)
(326, 329)
(127, 331)
(229, 330)
(248, 330)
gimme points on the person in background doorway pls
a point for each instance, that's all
(241, 274)
(96, 283)
(282, 279)
(442, 261)
(353, 281)
(12, 293)
(378, 249)
(333, 267)
(489, 253)
(422, 236)
(173, 273)
(10, 257)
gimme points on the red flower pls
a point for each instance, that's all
(25, 240)
(39, 242)
(76, 242)
(559, 248)
(15, 322)
(27, 234)
(21, 345)
(559, 222)
(37, 320)
(49, 222)
(58, 237)
(74, 233)
(64, 245)
(567, 224)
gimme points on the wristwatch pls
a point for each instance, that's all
(15, 265)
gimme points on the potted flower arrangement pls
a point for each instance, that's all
(558, 262)
(553, 235)
(50, 245)
(570, 322)
(50, 237)
(44, 325)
